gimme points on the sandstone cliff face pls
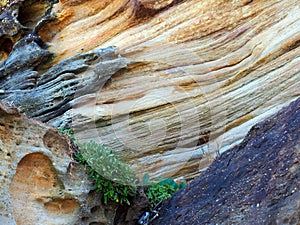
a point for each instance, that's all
(198, 74)
(184, 82)
(206, 71)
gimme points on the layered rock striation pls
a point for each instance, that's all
(194, 76)
(169, 85)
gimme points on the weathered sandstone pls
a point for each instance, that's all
(41, 184)
(168, 84)
(199, 75)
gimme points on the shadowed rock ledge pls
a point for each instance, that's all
(256, 182)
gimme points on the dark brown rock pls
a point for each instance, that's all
(129, 215)
(256, 182)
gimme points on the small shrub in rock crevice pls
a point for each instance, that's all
(113, 178)
(157, 191)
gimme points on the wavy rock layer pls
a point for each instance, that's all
(208, 71)
(203, 73)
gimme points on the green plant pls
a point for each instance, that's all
(160, 190)
(113, 178)
(69, 132)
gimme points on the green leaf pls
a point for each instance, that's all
(105, 199)
(111, 193)
(107, 171)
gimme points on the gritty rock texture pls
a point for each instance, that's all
(168, 84)
(194, 75)
(34, 172)
(256, 182)
(208, 71)
(41, 184)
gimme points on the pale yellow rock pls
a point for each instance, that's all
(206, 72)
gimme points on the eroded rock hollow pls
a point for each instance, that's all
(42, 184)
